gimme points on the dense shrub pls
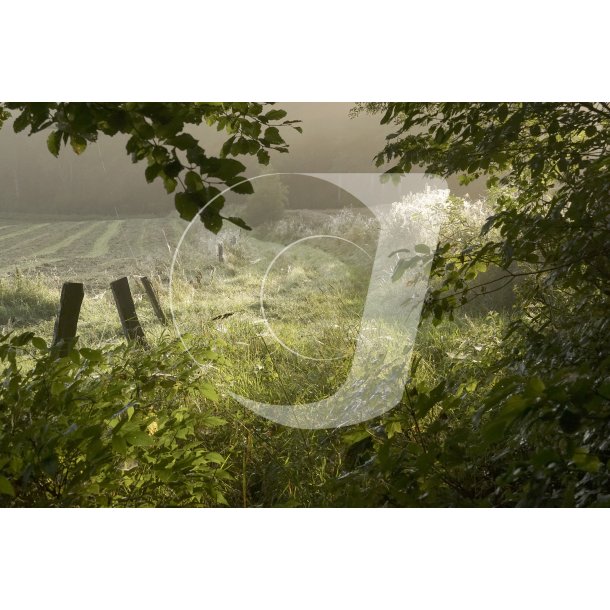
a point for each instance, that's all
(538, 424)
(104, 428)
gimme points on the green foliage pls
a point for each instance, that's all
(506, 409)
(104, 428)
(551, 159)
(536, 432)
(158, 134)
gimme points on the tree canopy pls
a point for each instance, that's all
(159, 135)
(545, 412)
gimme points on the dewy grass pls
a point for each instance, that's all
(313, 301)
(323, 330)
(27, 302)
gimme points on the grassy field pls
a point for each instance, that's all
(314, 296)
(88, 251)
(39, 256)
(298, 350)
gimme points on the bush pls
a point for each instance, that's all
(103, 428)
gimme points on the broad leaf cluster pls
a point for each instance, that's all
(158, 134)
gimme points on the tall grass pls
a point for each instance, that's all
(313, 303)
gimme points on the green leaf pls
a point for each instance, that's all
(392, 428)
(6, 487)
(351, 438)
(211, 220)
(184, 141)
(151, 172)
(488, 225)
(215, 458)
(207, 390)
(471, 386)
(54, 142)
(93, 355)
(226, 147)
(193, 181)
(272, 135)
(145, 130)
(494, 430)
(402, 266)
(227, 168)
(159, 153)
(514, 407)
(21, 122)
(119, 444)
(243, 187)
(173, 168)
(422, 249)
(239, 222)
(39, 343)
(187, 205)
(275, 115)
(22, 339)
(170, 184)
(263, 157)
(583, 460)
(220, 499)
(139, 439)
(240, 147)
(213, 421)
(78, 143)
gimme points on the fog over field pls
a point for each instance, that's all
(103, 182)
(359, 341)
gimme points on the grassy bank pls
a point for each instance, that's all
(265, 464)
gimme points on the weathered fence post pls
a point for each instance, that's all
(127, 311)
(221, 252)
(64, 334)
(152, 297)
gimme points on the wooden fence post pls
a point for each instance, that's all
(64, 334)
(152, 297)
(127, 311)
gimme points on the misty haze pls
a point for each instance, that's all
(180, 298)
